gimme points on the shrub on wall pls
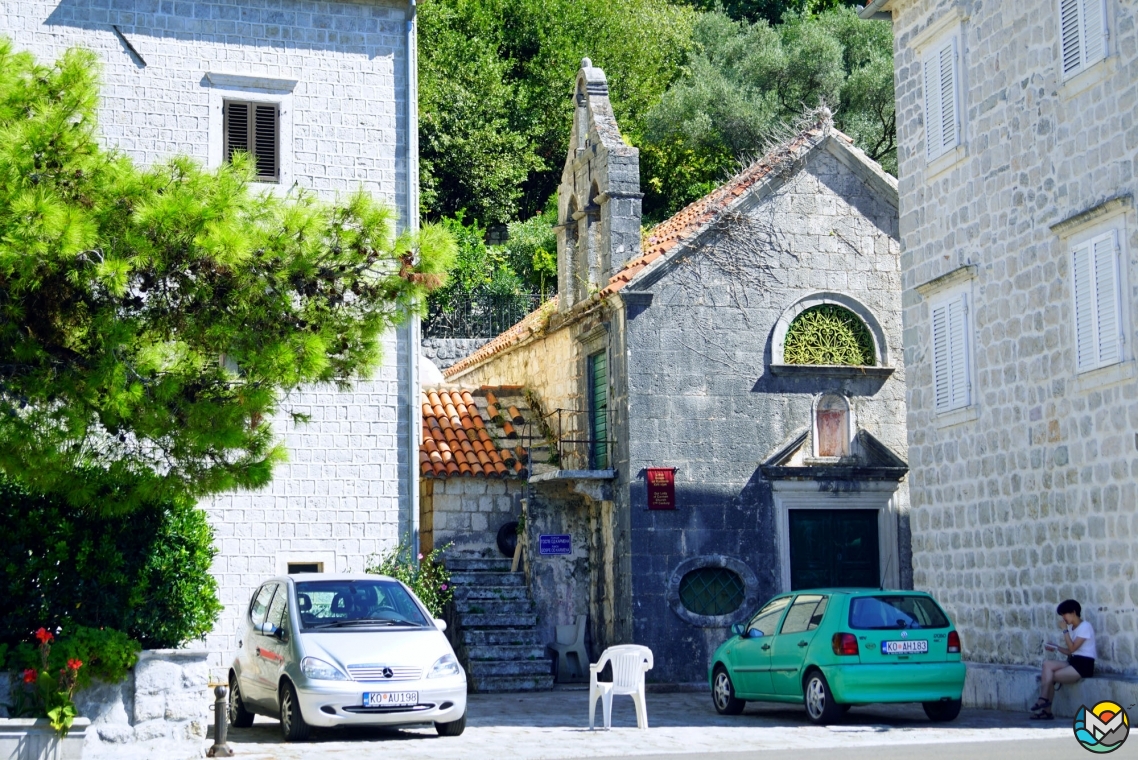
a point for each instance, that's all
(145, 573)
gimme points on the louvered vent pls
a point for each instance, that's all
(255, 129)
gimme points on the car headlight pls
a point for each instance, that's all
(446, 665)
(320, 670)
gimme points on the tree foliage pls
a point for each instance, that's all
(153, 319)
(146, 573)
(745, 81)
(772, 11)
(496, 91)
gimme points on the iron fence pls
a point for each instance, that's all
(478, 315)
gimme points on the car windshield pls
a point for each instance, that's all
(879, 613)
(356, 604)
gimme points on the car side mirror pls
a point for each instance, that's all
(281, 633)
(737, 629)
(440, 624)
(267, 628)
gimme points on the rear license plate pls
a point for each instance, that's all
(391, 698)
(904, 647)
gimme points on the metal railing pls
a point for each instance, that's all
(478, 314)
(580, 453)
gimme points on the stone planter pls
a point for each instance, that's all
(35, 739)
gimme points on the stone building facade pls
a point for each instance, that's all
(1017, 156)
(339, 76)
(665, 358)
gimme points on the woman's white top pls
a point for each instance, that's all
(1084, 631)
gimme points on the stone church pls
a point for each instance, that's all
(713, 414)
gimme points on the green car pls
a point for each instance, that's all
(831, 649)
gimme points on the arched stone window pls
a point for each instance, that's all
(829, 334)
(832, 428)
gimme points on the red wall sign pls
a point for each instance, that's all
(661, 487)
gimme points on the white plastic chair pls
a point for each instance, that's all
(570, 650)
(629, 664)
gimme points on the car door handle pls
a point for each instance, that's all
(765, 647)
(803, 643)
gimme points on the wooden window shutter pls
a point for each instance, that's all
(942, 126)
(1082, 34)
(951, 385)
(236, 129)
(266, 139)
(255, 129)
(1098, 337)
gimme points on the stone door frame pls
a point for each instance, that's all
(812, 494)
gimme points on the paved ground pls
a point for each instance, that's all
(554, 726)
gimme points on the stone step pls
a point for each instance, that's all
(490, 620)
(499, 684)
(510, 667)
(514, 652)
(491, 593)
(492, 607)
(478, 564)
(500, 637)
(464, 578)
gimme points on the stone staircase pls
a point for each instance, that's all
(494, 627)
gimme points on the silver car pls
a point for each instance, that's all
(344, 650)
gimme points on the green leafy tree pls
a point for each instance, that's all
(496, 91)
(152, 320)
(772, 11)
(745, 81)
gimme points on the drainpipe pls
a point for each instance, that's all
(413, 327)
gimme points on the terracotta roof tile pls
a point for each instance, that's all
(456, 441)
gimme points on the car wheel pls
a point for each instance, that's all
(820, 705)
(454, 728)
(292, 722)
(723, 694)
(239, 717)
(942, 712)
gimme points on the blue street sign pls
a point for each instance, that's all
(555, 545)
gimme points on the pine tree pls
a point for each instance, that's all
(153, 320)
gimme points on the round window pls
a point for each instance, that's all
(712, 591)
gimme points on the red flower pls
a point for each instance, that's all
(29, 676)
(44, 636)
(74, 664)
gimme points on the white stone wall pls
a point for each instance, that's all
(344, 126)
(1028, 498)
(336, 501)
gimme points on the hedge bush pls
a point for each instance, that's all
(145, 573)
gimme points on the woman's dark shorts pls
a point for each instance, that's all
(1084, 665)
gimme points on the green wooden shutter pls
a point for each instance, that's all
(598, 411)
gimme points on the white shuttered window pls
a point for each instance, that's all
(951, 378)
(942, 104)
(1082, 34)
(1098, 318)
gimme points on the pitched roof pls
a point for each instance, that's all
(458, 441)
(685, 225)
(694, 218)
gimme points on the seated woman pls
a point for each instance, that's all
(1079, 646)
